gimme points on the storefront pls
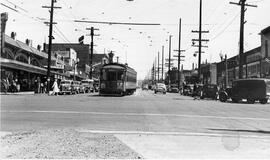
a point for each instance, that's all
(26, 76)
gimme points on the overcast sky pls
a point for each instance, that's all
(141, 44)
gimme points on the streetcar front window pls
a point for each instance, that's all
(111, 76)
(104, 75)
(120, 76)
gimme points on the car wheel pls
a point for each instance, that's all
(250, 101)
(235, 100)
(223, 97)
(263, 100)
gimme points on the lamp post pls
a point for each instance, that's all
(75, 63)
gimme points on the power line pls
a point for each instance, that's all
(17, 6)
(66, 39)
(119, 23)
(224, 29)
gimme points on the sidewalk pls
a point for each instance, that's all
(18, 93)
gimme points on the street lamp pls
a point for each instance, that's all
(75, 63)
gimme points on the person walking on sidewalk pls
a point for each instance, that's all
(55, 88)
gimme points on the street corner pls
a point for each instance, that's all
(3, 133)
(64, 143)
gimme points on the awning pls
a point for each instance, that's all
(22, 66)
(27, 67)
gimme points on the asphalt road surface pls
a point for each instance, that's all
(153, 125)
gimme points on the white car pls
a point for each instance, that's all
(160, 87)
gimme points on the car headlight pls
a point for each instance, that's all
(102, 85)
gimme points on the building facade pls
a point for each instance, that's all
(25, 65)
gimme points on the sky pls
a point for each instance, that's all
(139, 45)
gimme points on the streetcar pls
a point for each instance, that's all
(117, 79)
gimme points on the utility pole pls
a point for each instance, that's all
(158, 68)
(153, 72)
(242, 3)
(199, 40)
(226, 71)
(162, 69)
(50, 43)
(92, 29)
(169, 67)
(179, 55)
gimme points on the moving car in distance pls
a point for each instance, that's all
(88, 85)
(160, 87)
(209, 91)
(145, 87)
(117, 79)
(253, 89)
(173, 89)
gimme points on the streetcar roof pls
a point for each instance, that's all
(118, 66)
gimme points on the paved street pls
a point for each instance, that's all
(155, 126)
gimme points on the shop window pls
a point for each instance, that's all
(22, 58)
(7, 54)
(35, 62)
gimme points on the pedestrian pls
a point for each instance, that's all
(45, 87)
(38, 85)
(41, 87)
(55, 88)
(13, 86)
(195, 90)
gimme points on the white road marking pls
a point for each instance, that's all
(137, 114)
(172, 133)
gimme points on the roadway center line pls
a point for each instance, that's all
(137, 114)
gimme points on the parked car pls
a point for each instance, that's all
(160, 87)
(253, 89)
(209, 91)
(197, 91)
(88, 85)
(78, 87)
(174, 90)
(66, 87)
(188, 89)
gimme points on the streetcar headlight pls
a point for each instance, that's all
(119, 85)
(102, 85)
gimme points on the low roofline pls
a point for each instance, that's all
(266, 30)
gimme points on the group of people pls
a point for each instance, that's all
(10, 86)
(42, 87)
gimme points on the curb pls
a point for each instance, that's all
(18, 93)
(3, 134)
